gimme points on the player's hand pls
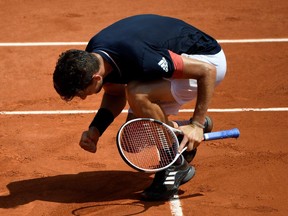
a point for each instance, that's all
(193, 136)
(89, 140)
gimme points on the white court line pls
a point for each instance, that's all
(176, 206)
(261, 40)
(21, 44)
(66, 112)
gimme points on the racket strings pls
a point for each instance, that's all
(166, 150)
(148, 145)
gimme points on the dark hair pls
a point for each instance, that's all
(73, 72)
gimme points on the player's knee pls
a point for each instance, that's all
(137, 97)
(136, 92)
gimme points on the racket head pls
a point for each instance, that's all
(147, 145)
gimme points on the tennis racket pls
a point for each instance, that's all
(150, 145)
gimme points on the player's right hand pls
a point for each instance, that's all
(89, 140)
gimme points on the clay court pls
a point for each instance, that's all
(43, 171)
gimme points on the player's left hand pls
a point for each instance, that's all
(193, 136)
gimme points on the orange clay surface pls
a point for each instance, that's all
(43, 171)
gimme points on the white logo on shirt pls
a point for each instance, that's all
(163, 64)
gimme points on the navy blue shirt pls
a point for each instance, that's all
(139, 47)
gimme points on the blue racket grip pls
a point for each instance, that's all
(232, 133)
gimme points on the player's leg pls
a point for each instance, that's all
(146, 98)
(150, 100)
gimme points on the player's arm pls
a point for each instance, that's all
(113, 102)
(205, 74)
(114, 98)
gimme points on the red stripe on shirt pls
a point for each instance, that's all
(178, 64)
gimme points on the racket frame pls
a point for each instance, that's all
(173, 131)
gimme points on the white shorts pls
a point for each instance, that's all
(185, 90)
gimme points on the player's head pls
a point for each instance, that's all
(74, 72)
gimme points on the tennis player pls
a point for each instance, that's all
(156, 64)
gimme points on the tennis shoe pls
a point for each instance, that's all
(208, 124)
(166, 182)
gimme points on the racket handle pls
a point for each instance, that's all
(232, 133)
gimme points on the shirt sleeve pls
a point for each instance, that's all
(159, 63)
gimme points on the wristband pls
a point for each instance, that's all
(102, 120)
(196, 123)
